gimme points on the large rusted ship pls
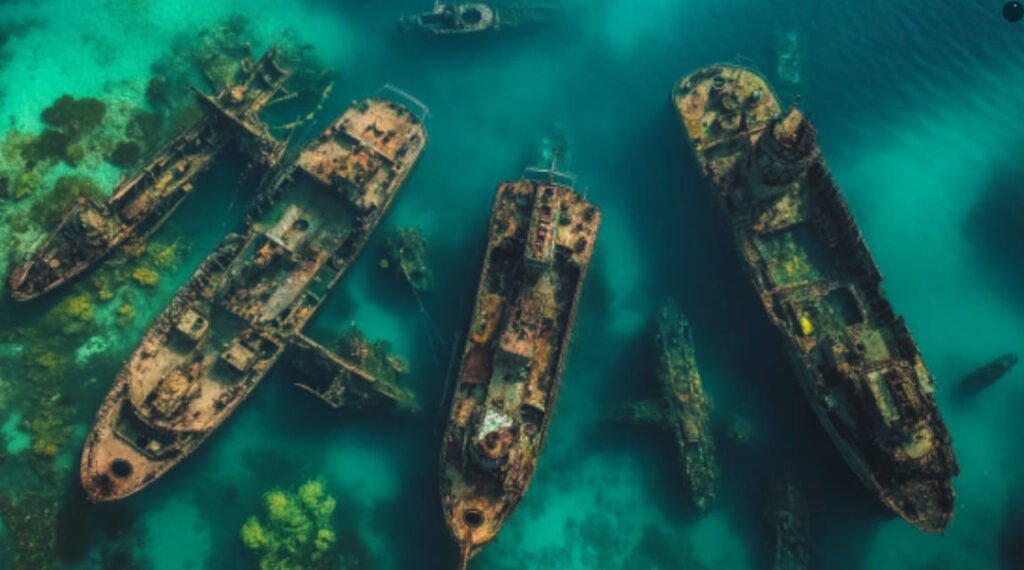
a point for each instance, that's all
(682, 408)
(540, 241)
(90, 230)
(459, 18)
(250, 300)
(854, 357)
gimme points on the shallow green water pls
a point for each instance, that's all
(916, 106)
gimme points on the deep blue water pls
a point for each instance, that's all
(917, 106)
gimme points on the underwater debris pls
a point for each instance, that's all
(310, 221)
(539, 245)
(296, 531)
(789, 527)
(406, 251)
(987, 375)
(360, 374)
(855, 358)
(682, 408)
(459, 18)
(125, 314)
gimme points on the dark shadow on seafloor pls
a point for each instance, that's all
(994, 225)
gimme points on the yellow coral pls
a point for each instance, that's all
(125, 315)
(254, 535)
(324, 540)
(145, 277)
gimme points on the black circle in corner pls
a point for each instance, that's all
(1013, 11)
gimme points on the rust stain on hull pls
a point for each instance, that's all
(540, 241)
(854, 357)
(250, 300)
(89, 231)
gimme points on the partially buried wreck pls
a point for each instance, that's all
(89, 230)
(250, 300)
(682, 408)
(539, 245)
(853, 355)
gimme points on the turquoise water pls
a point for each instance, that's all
(917, 106)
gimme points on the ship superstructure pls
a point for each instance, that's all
(250, 300)
(90, 230)
(854, 357)
(540, 240)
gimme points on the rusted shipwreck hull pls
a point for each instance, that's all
(682, 408)
(854, 357)
(540, 241)
(90, 230)
(685, 407)
(250, 300)
(460, 18)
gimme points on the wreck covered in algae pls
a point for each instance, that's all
(789, 527)
(89, 231)
(855, 359)
(540, 240)
(250, 300)
(682, 408)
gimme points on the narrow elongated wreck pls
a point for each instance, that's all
(250, 299)
(540, 241)
(789, 527)
(854, 357)
(89, 231)
(682, 408)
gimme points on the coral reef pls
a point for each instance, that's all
(297, 532)
(75, 116)
(46, 213)
(145, 276)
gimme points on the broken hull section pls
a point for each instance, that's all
(541, 238)
(251, 299)
(854, 357)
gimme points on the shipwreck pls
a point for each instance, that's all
(249, 301)
(461, 18)
(854, 357)
(682, 408)
(89, 231)
(539, 245)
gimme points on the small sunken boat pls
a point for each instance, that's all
(540, 240)
(854, 357)
(89, 231)
(250, 300)
(789, 527)
(682, 408)
(459, 18)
